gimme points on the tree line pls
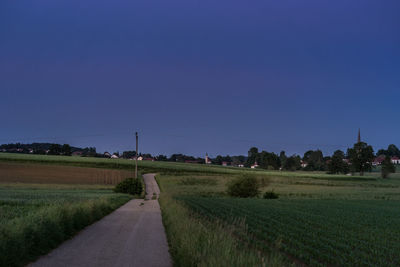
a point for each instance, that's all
(358, 158)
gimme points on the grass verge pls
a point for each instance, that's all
(197, 242)
(25, 238)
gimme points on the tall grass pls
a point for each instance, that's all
(40, 227)
(197, 242)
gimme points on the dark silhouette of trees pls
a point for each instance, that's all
(387, 167)
(361, 157)
(337, 164)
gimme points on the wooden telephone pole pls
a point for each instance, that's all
(137, 142)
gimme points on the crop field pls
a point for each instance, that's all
(322, 232)
(168, 168)
(35, 219)
(11, 172)
(317, 221)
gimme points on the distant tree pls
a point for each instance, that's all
(387, 167)
(315, 160)
(146, 155)
(161, 158)
(282, 159)
(89, 152)
(292, 163)
(237, 160)
(381, 152)
(361, 157)
(180, 158)
(218, 160)
(269, 160)
(252, 156)
(66, 150)
(392, 151)
(128, 154)
(55, 149)
(337, 164)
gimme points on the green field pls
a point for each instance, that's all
(316, 232)
(170, 168)
(35, 219)
(319, 219)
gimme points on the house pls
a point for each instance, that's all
(395, 160)
(225, 163)
(240, 165)
(114, 156)
(303, 164)
(106, 154)
(378, 160)
(255, 165)
(77, 153)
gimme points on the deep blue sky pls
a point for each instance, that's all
(200, 76)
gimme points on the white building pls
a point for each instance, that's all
(395, 160)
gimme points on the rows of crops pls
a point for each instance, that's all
(316, 232)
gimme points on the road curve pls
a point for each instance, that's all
(132, 235)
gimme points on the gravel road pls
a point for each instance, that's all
(132, 235)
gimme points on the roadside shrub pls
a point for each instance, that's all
(244, 186)
(129, 186)
(270, 195)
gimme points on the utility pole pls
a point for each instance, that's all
(137, 139)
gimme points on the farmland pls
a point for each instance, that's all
(41, 205)
(53, 174)
(319, 219)
(35, 219)
(169, 168)
(316, 221)
(326, 232)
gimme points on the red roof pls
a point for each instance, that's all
(379, 159)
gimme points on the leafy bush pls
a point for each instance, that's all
(270, 195)
(129, 186)
(244, 186)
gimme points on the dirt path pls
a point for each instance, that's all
(133, 235)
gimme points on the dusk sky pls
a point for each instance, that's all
(200, 76)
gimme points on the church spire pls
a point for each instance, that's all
(359, 136)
